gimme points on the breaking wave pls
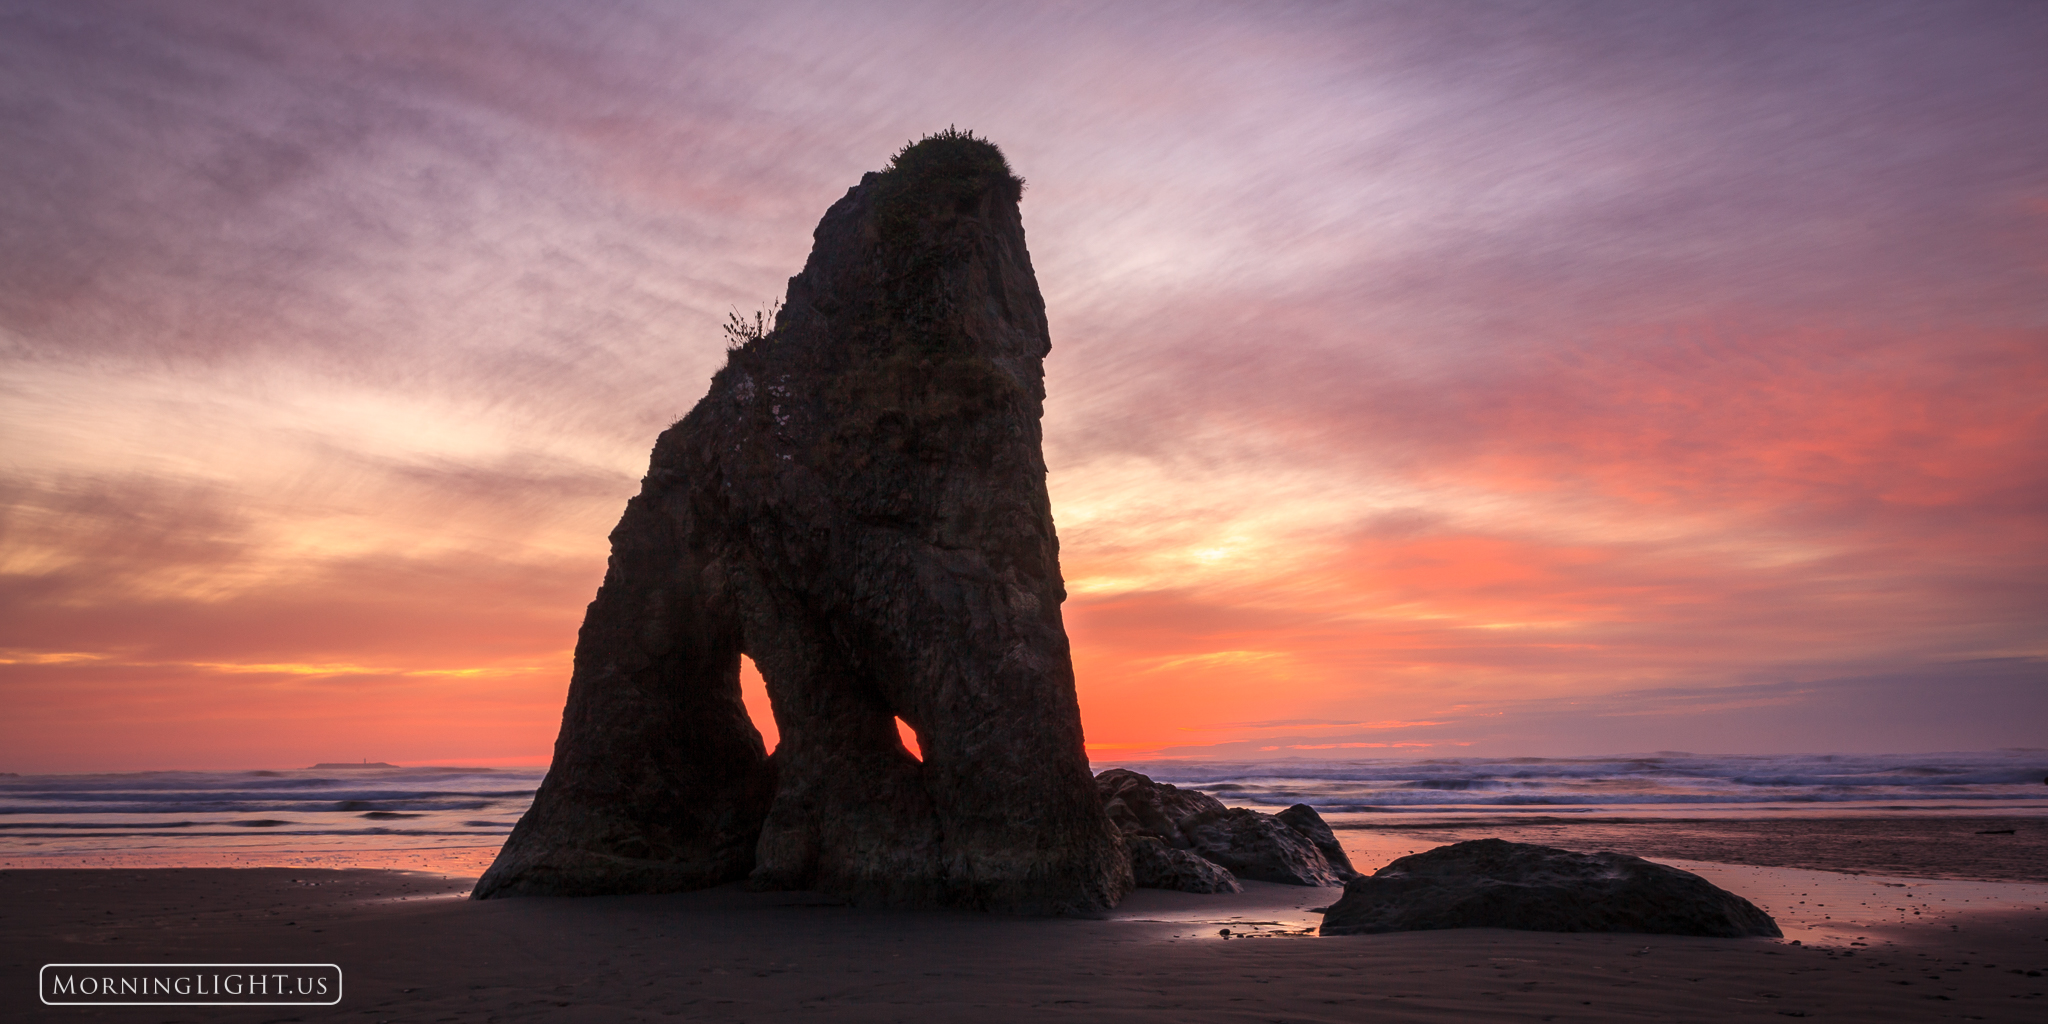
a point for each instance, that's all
(1633, 784)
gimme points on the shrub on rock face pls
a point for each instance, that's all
(1491, 883)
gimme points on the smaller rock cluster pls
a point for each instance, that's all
(1185, 840)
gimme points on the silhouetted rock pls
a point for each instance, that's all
(1248, 844)
(1139, 805)
(1491, 883)
(1155, 865)
(1259, 846)
(858, 504)
(1304, 820)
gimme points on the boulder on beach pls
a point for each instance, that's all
(1303, 819)
(858, 504)
(1136, 804)
(1245, 843)
(1155, 865)
(1492, 883)
(1259, 846)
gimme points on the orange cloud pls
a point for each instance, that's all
(323, 386)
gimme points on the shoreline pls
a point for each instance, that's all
(1946, 846)
(1858, 945)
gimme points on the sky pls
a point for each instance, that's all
(1428, 379)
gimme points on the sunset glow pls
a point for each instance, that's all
(1560, 381)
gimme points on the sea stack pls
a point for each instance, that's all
(859, 505)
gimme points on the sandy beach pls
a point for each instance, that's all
(1871, 947)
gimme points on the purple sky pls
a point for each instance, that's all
(1495, 377)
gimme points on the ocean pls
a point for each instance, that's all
(453, 819)
(438, 819)
(1663, 784)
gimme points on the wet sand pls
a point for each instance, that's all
(1984, 848)
(412, 950)
(1922, 920)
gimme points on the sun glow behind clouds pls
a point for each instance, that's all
(1602, 538)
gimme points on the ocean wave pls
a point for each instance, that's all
(29, 797)
(1626, 781)
(126, 831)
(262, 806)
(240, 807)
(379, 805)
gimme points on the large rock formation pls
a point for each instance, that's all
(1168, 829)
(859, 505)
(1491, 883)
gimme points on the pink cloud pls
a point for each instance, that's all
(1403, 362)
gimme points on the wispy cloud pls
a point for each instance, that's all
(1404, 362)
(1298, 723)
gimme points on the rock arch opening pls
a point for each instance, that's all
(909, 737)
(761, 710)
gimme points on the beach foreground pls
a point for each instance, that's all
(412, 950)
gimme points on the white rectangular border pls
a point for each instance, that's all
(338, 985)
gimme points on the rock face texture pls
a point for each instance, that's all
(859, 505)
(1260, 847)
(1140, 806)
(1155, 865)
(1285, 848)
(1491, 883)
(1306, 823)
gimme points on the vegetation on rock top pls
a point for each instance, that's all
(947, 172)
